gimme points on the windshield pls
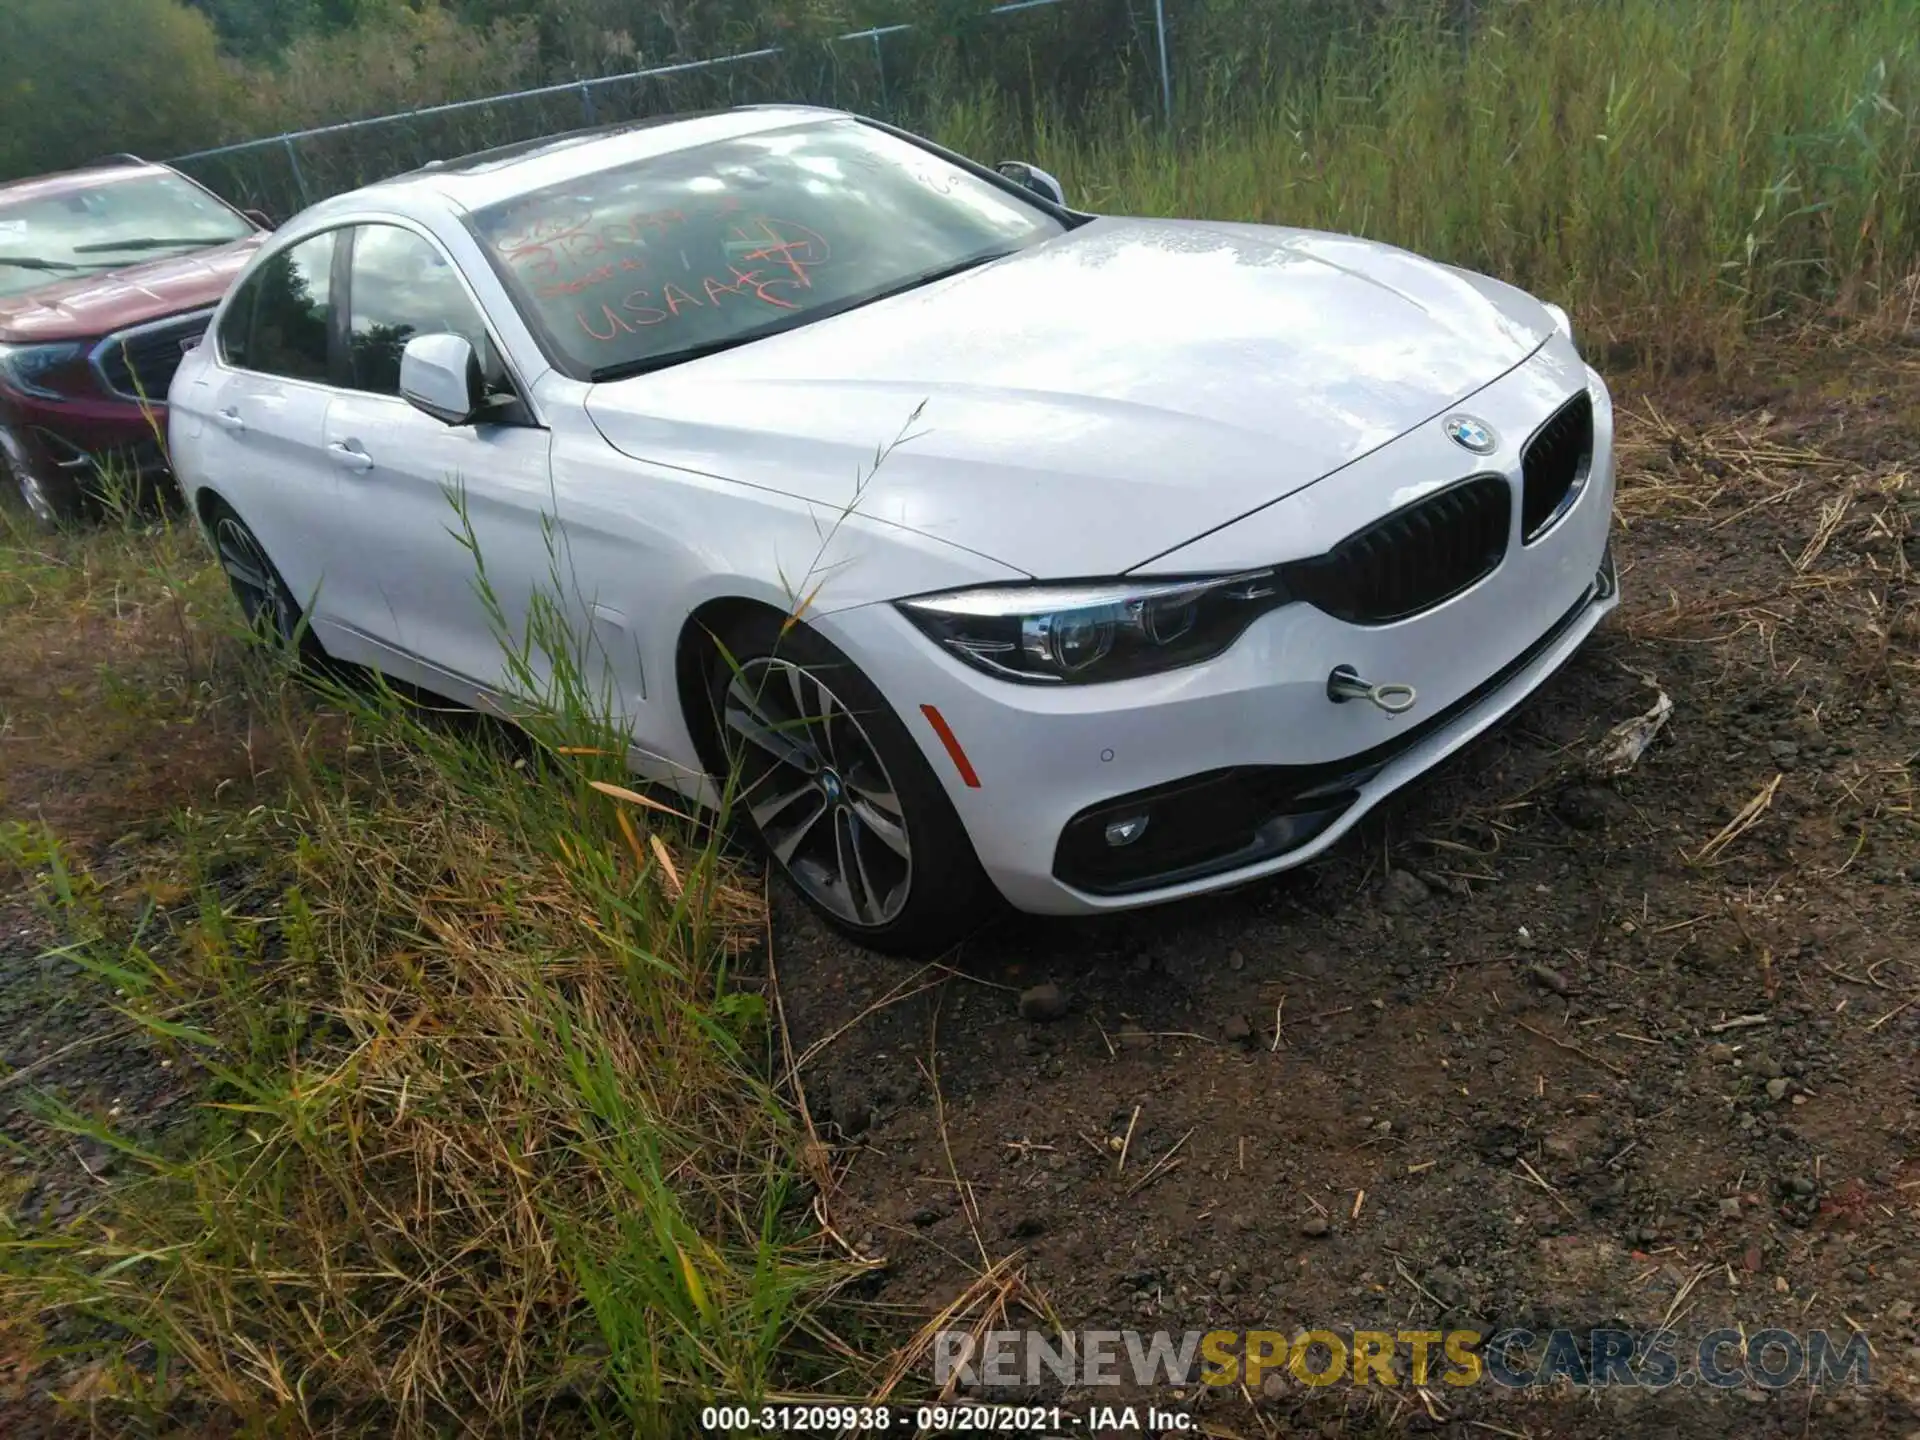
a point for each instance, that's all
(647, 264)
(121, 219)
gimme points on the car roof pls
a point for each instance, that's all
(66, 182)
(473, 182)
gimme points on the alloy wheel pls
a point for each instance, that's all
(36, 496)
(258, 589)
(818, 791)
(13, 461)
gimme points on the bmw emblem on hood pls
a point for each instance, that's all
(1471, 434)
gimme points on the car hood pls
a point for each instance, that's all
(1088, 403)
(92, 305)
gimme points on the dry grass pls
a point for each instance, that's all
(1731, 470)
(489, 1139)
(1688, 472)
(113, 626)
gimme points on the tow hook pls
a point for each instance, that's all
(1345, 684)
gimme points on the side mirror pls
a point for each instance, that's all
(440, 376)
(1034, 179)
(260, 218)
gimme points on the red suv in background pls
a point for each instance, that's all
(107, 276)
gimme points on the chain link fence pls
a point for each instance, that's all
(880, 71)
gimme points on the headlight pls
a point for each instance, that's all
(1085, 634)
(24, 367)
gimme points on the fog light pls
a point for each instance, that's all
(1125, 832)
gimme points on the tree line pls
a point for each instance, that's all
(163, 77)
(159, 77)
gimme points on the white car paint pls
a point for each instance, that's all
(1134, 396)
(1044, 754)
(1119, 388)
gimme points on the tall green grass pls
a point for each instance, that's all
(1674, 171)
(1671, 170)
(488, 1138)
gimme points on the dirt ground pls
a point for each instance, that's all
(1533, 1048)
(1592, 1052)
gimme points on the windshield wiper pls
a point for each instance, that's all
(627, 369)
(34, 262)
(942, 272)
(163, 242)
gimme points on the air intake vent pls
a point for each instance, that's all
(1555, 464)
(1414, 558)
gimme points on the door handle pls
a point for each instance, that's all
(349, 456)
(229, 419)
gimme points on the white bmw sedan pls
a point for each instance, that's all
(1132, 558)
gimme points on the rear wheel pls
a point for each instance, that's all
(837, 792)
(268, 605)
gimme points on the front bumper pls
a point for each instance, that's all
(1243, 765)
(83, 436)
(1243, 816)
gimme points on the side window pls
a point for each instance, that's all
(279, 323)
(236, 326)
(402, 285)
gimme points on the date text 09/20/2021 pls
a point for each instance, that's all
(1039, 1421)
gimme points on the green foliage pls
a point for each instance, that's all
(254, 29)
(1673, 172)
(85, 78)
(401, 58)
(1680, 168)
(488, 1137)
(260, 29)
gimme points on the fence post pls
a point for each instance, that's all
(586, 101)
(1166, 75)
(880, 65)
(299, 180)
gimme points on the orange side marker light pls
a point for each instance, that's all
(945, 732)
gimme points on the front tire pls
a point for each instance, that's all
(52, 497)
(837, 792)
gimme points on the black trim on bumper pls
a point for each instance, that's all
(1226, 819)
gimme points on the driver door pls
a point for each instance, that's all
(449, 522)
